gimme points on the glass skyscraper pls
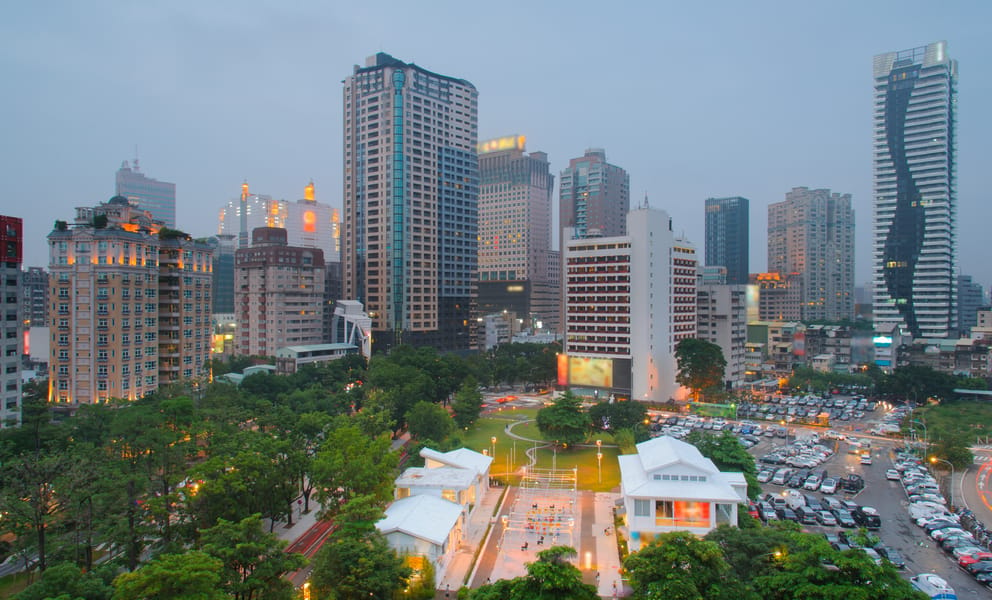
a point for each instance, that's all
(915, 192)
(157, 197)
(409, 239)
(594, 197)
(727, 237)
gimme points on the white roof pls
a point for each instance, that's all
(451, 478)
(463, 458)
(637, 473)
(425, 517)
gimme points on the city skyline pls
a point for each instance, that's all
(733, 129)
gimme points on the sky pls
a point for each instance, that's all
(693, 99)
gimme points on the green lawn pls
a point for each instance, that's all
(13, 584)
(973, 418)
(510, 453)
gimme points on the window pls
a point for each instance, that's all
(664, 512)
(642, 508)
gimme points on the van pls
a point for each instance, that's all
(781, 476)
(867, 517)
(794, 499)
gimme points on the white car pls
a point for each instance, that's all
(829, 486)
(892, 475)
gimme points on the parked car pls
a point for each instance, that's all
(826, 518)
(867, 517)
(765, 475)
(829, 486)
(892, 555)
(853, 483)
(975, 557)
(892, 475)
(844, 518)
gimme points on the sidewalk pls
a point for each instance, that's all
(478, 524)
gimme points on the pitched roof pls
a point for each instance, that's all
(462, 458)
(425, 517)
(636, 473)
(666, 450)
(447, 477)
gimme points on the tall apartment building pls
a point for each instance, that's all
(12, 325)
(594, 196)
(779, 296)
(34, 297)
(279, 294)
(915, 171)
(727, 237)
(130, 305)
(721, 319)
(515, 233)
(224, 247)
(145, 193)
(971, 298)
(308, 223)
(409, 247)
(812, 233)
(629, 300)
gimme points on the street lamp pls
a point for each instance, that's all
(950, 487)
(599, 459)
(306, 591)
(926, 436)
(492, 452)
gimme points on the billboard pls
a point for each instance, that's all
(594, 372)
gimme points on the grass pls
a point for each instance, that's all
(479, 438)
(13, 584)
(971, 417)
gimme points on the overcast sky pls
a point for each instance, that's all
(694, 99)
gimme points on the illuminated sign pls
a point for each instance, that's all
(514, 288)
(882, 340)
(510, 142)
(309, 221)
(595, 372)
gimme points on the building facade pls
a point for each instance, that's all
(812, 233)
(915, 205)
(12, 325)
(409, 246)
(130, 307)
(515, 233)
(224, 247)
(145, 193)
(308, 223)
(628, 301)
(279, 294)
(721, 318)
(34, 297)
(594, 196)
(779, 296)
(971, 298)
(727, 237)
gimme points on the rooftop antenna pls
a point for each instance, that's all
(645, 205)
(135, 157)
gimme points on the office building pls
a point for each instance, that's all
(594, 196)
(779, 296)
(34, 297)
(279, 294)
(515, 233)
(727, 241)
(130, 305)
(12, 325)
(721, 319)
(971, 298)
(915, 207)
(629, 300)
(409, 245)
(812, 233)
(308, 223)
(145, 193)
(224, 246)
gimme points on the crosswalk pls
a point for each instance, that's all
(981, 458)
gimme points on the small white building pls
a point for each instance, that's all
(460, 476)
(424, 527)
(670, 486)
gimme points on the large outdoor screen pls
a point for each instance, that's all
(594, 372)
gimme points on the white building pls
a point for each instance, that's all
(915, 207)
(721, 319)
(424, 528)
(670, 486)
(628, 301)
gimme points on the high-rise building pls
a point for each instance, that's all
(130, 305)
(594, 196)
(515, 233)
(12, 325)
(812, 233)
(914, 253)
(145, 193)
(409, 245)
(727, 242)
(279, 294)
(225, 245)
(626, 310)
(971, 298)
(308, 223)
(721, 318)
(779, 296)
(34, 297)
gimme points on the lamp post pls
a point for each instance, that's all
(492, 451)
(950, 486)
(599, 459)
(926, 437)
(306, 591)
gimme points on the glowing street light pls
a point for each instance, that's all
(950, 486)
(493, 451)
(306, 591)
(599, 459)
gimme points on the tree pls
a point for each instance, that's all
(551, 576)
(191, 576)
(467, 404)
(66, 578)
(354, 567)
(727, 453)
(700, 365)
(254, 561)
(28, 500)
(429, 421)
(350, 464)
(611, 416)
(564, 421)
(680, 566)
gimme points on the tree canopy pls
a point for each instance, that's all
(564, 421)
(701, 365)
